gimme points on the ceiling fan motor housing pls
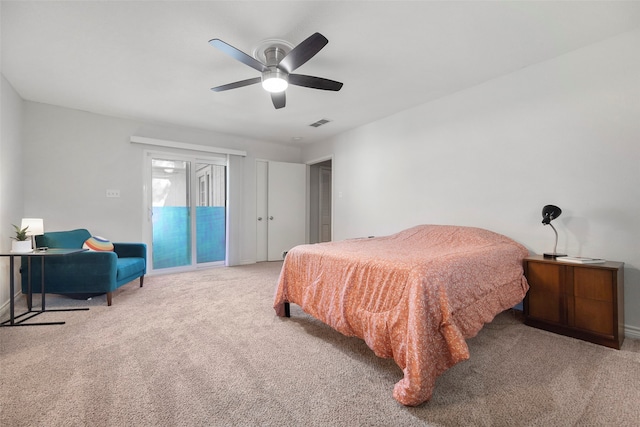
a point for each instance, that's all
(273, 78)
(274, 54)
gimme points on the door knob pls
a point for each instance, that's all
(271, 218)
(259, 218)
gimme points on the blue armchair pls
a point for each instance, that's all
(86, 273)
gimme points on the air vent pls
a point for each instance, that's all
(320, 123)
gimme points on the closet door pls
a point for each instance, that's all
(262, 212)
(286, 206)
(283, 224)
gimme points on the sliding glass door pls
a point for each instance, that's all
(187, 213)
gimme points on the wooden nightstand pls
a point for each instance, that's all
(584, 301)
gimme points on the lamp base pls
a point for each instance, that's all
(552, 255)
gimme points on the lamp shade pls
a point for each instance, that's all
(549, 213)
(36, 226)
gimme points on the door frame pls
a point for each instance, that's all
(323, 190)
(313, 188)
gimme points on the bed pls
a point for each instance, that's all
(413, 296)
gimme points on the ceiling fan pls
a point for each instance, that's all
(279, 66)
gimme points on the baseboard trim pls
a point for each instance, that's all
(632, 332)
(6, 307)
(4, 310)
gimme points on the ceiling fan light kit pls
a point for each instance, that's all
(274, 80)
(279, 66)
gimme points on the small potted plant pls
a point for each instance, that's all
(21, 242)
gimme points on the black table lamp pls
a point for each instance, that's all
(549, 213)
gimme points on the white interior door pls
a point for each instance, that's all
(284, 196)
(262, 226)
(287, 207)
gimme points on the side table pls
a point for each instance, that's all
(584, 301)
(13, 319)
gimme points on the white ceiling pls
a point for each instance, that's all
(151, 60)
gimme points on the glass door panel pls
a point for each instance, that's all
(171, 220)
(211, 209)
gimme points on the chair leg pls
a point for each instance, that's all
(108, 298)
(141, 280)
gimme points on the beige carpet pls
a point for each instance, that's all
(206, 349)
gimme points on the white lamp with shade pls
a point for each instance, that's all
(35, 228)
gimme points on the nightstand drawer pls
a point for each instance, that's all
(546, 278)
(592, 283)
(593, 315)
(545, 306)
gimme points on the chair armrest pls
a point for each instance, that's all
(126, 250)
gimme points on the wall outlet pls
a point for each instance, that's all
(284, 254)
(113, 193)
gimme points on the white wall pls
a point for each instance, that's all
(564, 132)
(72, 157)
(11, 183)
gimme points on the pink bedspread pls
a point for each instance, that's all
(414, 296)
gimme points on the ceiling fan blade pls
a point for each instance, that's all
(314, 82)
(303, 52)
(235, 85)
(238, 54)
(279, 99)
